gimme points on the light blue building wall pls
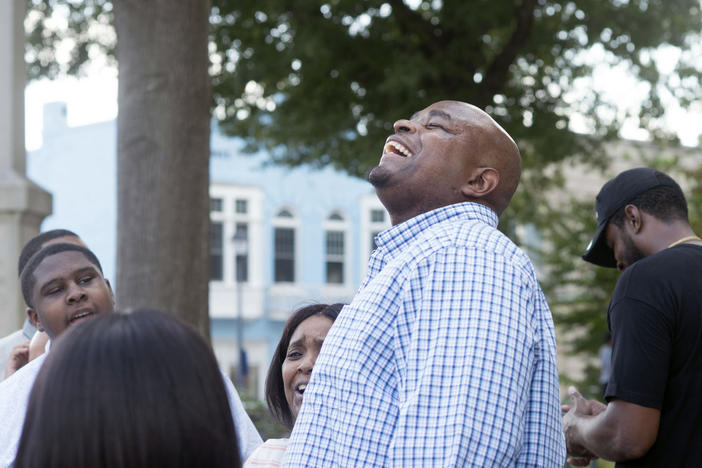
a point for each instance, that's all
(78, 166)
(312, 195)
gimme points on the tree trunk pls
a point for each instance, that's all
(163, 134)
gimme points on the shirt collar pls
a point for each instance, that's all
(28, 329)
(399, 235)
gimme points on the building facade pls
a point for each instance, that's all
(281, 237)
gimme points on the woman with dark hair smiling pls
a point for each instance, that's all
(289, 373)
(135, 390)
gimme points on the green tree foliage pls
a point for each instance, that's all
(322, 81)
(81, 29)
(695, 198)
(265, 423)
(578, 292)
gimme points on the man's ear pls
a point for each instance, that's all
(34, 318)
(633, 218)
(482, 181)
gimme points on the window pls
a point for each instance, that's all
(241, 258)
(216, 204)
(285, 225)
(335, 249)
(284, 255)
(335, 257)
(237, 248)
(241, 206)
(216, 249)
(377, 216)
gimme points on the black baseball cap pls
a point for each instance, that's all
(614, 195)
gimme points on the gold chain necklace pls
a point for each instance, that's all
(685, 239)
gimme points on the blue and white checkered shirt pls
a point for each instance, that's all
(445, 357)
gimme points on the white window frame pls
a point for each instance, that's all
(294, 224)
(342, 225)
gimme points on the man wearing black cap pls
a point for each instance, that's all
(655, 318)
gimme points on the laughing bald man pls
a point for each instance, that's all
(446, 356)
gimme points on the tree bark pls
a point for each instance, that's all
(163, 134)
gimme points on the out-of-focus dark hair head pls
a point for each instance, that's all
(135, 390)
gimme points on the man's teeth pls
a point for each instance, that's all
(81, 315)
(301, 387)
(399, 148)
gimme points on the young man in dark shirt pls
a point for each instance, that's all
(655, 318)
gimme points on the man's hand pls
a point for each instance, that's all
(19, 356)
(587, 407)
(572, 414)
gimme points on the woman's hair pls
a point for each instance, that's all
(129, 390)
(275, 389)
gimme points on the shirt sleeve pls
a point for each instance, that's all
(246, 432)
(641, 353)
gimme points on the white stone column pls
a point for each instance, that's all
(23, 204)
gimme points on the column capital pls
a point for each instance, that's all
(20, 195)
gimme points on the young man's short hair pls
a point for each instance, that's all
(34, 245)
(27, 279)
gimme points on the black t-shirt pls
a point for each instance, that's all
(655, 318)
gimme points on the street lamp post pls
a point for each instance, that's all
(240, 242)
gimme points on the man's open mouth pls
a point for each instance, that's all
(397, 148)
(81, 315)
